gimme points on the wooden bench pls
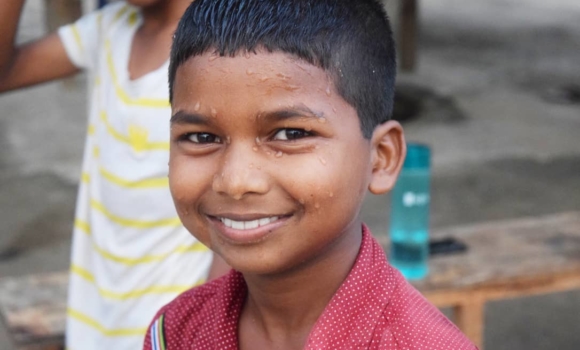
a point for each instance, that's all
(505, 259)
(34, 310)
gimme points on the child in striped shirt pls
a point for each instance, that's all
(130, 250)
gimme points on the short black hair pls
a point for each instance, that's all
(350, 39)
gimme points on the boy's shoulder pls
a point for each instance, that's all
(377, 306)
(189, 304)
(193, 316)
(413, 322)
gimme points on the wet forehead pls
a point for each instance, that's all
(262, 74)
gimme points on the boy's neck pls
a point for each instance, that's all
(283, 309)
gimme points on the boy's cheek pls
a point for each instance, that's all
(184, 183)
(325, 190)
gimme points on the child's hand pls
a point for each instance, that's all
(39, 61)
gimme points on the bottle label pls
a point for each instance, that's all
(414, 199)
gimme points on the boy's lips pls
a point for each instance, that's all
(246, 229)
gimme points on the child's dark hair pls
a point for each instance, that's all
(350, 39)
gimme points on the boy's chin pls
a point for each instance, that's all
(273, 269)
(258, 267)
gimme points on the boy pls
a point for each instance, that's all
(129, 247)
(280, 124)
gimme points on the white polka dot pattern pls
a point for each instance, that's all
(375, 308)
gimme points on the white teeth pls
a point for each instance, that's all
(265, 221)
(247, 225)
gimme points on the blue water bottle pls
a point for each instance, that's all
(409, 230)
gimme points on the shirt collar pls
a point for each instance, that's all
(349, 319)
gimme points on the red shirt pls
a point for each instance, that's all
(374, 308)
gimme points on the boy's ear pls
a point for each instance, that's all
(388, 154)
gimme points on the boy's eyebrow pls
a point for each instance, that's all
(295, 111)
(183, 117)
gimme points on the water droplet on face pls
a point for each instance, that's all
(247, 54)
(263, 78)
(255, 149)
(259, 167)
(197, 107)
(251, 165)
(322, 160)
(330, 194)
(322, 120)
(334, 109)
(283, 76)
(328, 90)
(317, 206)
(302, 201)
(258, 141)
(213, 112)
(228, 140)
(249, 71)
(213, 57)
(292, 87)
(308, 128)
(279, 154)
(300, 67)
(269, 153)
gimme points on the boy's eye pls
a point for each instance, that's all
(202, 137)
(290, 134)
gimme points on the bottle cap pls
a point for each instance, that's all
(418, 156)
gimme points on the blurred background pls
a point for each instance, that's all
(494, 89)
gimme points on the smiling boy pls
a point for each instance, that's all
(280, 126)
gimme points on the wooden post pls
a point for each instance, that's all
(408, 33)
(469, 317)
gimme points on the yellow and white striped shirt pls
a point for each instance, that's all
(130, 254)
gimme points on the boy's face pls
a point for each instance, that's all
(268, 164)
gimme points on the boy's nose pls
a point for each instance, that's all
(240, 173)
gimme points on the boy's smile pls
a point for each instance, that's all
(268, 163)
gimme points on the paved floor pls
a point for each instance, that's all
(503, 65)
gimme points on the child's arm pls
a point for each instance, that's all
(36, 62)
